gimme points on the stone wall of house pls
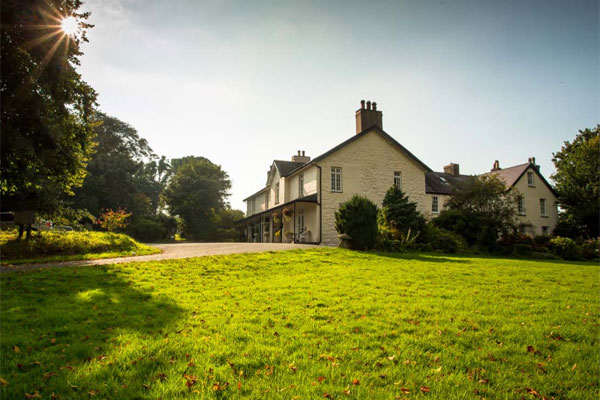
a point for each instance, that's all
(368, 166)
(532, 196)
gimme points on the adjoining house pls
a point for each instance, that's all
(299, 200)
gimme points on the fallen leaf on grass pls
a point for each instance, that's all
(321, 379)
(574, 366)
(405, 390)
(356, 382)
(190, 380)
(48, 375)
(217, 386)
(16, 349)
(93, 392)
(532, 392)
(425, 389)
(327, 395)
(35, 395)
(484, 380)
(239, 385)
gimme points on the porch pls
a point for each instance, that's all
(297, 221)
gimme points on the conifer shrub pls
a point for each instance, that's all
(357, 218)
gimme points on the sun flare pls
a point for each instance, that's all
(69, 25)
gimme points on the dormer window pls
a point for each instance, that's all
(530, 179)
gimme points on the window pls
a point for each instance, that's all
(543, 207)
(521, 205)
(301, 226)
(301, 185)
(277, 193)
(336, 179)
(267, 200)
(435, 208)
(398, 179)
(530, 179)
(545, 230)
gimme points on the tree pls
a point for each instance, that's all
(485, 203)
(122, 173)
(577, 180)
(357, 218)
(197, 193)
(399, 214)
(46, 110)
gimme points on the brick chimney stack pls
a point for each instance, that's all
(301, 157)
(368, 116)
(496, 166)
(452, 169)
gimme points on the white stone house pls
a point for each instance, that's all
(299, 200)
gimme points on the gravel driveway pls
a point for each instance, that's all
(172, 251)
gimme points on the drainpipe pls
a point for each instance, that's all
(320, 206)
(294, 222)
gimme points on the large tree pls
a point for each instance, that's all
(197, 192)
(399, 214)
(123, 172)
(577, 180)
(486, 204)
(46, 109)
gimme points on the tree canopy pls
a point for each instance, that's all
(46, 110)
(484, 206)
(577, 181)
(197, 192)
(399, 214)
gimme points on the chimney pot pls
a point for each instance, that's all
(362, 104)
(496, 166)
(368, 104)
(302, 153)
(374, 106)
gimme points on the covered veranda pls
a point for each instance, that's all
(297, 221)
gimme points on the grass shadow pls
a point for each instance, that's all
(426, 257)
(62, 329)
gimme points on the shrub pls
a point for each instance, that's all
(459, 222)
(443, 240)
(357, 218)
(158, 228)
(565, 248)
(523, 249)
(399, 215)
(113, 221)
(67, 243)
(590, 249)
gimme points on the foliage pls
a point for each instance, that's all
(46, 112)
(54, 246)
(197, 193)
(153, 229)
(66, 215)
(225, 223)
(444, 240)
(123, 173)
(577, 180)
(114, 221)
(187, 329)
(484, 201)
(357, 218)
(399, 215)
(460, 222)
(565, 248)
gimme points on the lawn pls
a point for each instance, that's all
(68, 246)
(305, 324)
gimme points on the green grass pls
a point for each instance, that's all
(68, 246)
(304, 324)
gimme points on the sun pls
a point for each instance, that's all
(69, 25)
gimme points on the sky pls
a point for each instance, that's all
(245, 82)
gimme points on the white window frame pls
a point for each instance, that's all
(300, 185)
(398, 179)
(521, 206)
(336, 177)
(530, 181)
(277, 193)
(435, 204)
(543, 209)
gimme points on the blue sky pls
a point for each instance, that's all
(246, 82)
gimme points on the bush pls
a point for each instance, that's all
(590, 249)
(357, 218)
(523, 249)
(565, 248)
(399, 215)
(458, 222)
(153, 229)
(443, 240)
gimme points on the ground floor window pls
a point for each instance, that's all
(545, 231)
(435, 207)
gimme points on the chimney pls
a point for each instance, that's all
(532, 161)
(451, 169)
(368, 117)
(496, 166)
(301, 157)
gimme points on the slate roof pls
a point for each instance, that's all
(510, 175)
(443, 183)
(285, 167)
